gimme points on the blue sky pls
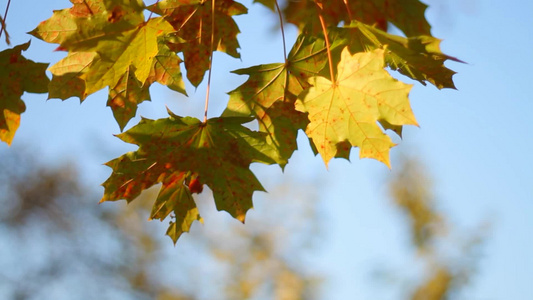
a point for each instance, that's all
(476, 142)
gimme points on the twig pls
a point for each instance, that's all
(151, 12)
(210, 59)
(4, 23)
(348, 9)
(282, 31)
(328, 48)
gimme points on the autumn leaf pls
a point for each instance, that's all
(270, 92)
(110, 45)
(192, 22)
(304, 14)
(66, 80)
(134, 173)
(218, 152)
(17, 75)
(346, 112)
(166, 70)
(271, 4)
(87, 22)
(407, 15)
(125, 96)
(136, 48)
(419, 58)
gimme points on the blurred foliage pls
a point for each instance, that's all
(449, 258)
(58, 244)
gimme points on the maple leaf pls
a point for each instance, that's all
(304, 14)
(82, 26)
(218, 153)
(407, 15)
(192, 22)
(346, 112)
(17, 75)
(270, 92)
(166, 70)
(419, 58)
(66, 81)
(110, 45)
(134, 173)
(137, 48)
(270, 4)
(125, 96)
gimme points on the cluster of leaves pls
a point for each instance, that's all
(333, 85)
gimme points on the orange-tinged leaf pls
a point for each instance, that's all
(125, 96)
(81, 27)
(110, 45)
(134, 173)
(127, 63)
(175, 197)
(66, 81)
(166, 70)
(192, 22)
(304, 14)
(17, 75)
(407, 15)
(348, 110)
(219, 152)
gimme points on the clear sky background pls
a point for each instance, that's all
(476, 142)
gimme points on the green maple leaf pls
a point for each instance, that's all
(17, 75)
(110, 45)
(419, 58)
(134, 173)
(166, 70)
(346, 112)
(125, 96)
(270, 92)
(82, 26)
(192, 22)
(66, 81)
(136, 48)
(218, 153)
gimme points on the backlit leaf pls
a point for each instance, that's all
(219, 152)
(347, 111)
(193, 25)
(110, 45)
(125, 96)
(407, 15)
(420, 58)
(270, 92)
(17, 75)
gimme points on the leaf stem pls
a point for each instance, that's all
(88, 8)
(4, 23)
(151, 12)
(210, 59)
(348, 10)
(328, 48)
(282, 31)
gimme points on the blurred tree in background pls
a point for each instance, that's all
(57, 244)
(448, 256)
